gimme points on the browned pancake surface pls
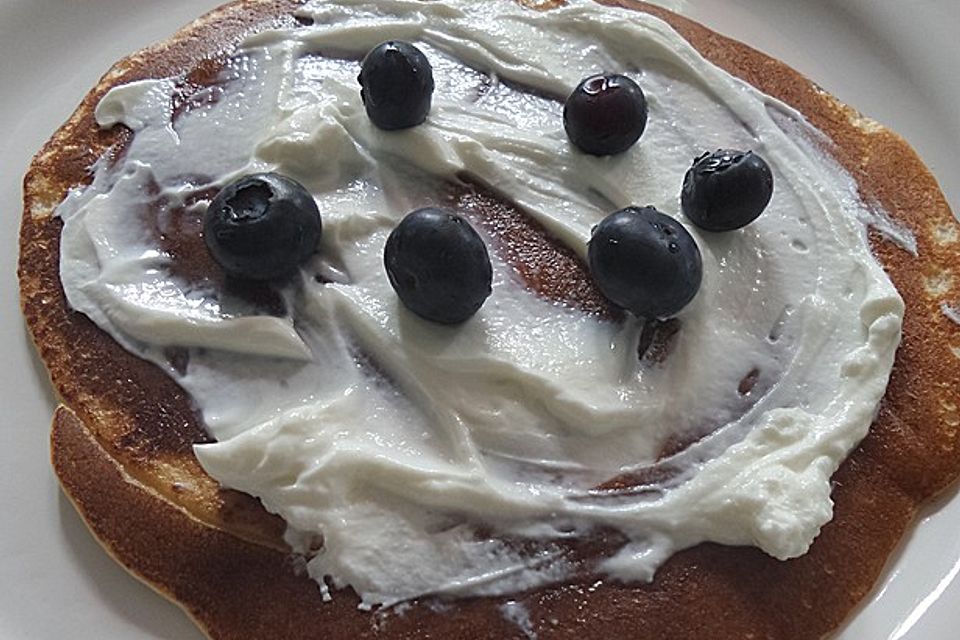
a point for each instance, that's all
(122, 440)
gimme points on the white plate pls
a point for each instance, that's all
(895, 61)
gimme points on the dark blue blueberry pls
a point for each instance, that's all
(262, 226)
(438, 265)
(396, 85)
(726, 189)
(645, 262)
(605, 114)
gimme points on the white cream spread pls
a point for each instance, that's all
(951, 311)
(507, 423)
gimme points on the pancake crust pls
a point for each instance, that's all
(121, 441)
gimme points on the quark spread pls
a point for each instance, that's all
(454, 460)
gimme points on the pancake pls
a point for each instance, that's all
(122, 439)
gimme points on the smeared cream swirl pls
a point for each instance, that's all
(397, 440)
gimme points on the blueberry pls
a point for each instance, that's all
(726, 190)
(262, 226)
(438, 265)
(645, 262)
(605, 114)
(396, 82)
